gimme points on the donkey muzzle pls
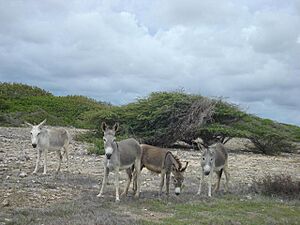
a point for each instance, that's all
(108, 155)
(34, 145)
(177, 190)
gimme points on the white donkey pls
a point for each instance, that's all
(214, 159)
(56, 139)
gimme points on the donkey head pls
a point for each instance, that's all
(35, 132)
(178, 177)
(208, 160)
(109, 139)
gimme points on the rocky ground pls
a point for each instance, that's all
(19, 188)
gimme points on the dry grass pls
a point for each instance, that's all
(281, 185)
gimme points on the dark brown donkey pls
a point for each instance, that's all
(160, 160)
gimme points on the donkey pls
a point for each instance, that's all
(119, 156)
(160, 160)
(214, 159)
(45, 140)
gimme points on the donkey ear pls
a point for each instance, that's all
(28, 124)
(116, 127)
(103, 126)
(201, 146)
(184, 168)
(42, 123)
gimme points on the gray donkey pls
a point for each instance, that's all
(46, 140)
(214, 159)
(120, 156)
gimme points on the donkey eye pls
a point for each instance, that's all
(211, 159)
(104, 139)
(203, 158)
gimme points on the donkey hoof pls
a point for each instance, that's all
(198, 193)
(99, 195)
(124, 194)
(137, 195)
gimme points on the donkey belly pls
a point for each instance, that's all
(56, 143)
(216, 169)
(126, 160)
(124, 167)
(153, 168)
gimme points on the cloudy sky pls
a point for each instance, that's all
(247, 51)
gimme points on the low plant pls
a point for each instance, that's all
(271, 144)
(281, 185)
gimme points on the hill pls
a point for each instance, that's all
(20, 102)
(160, 119)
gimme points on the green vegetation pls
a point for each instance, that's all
(229, 209)
(21, 103)
(226, 210)
(160, 119)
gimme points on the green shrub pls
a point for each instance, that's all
(271, 144)
(159, 119)
(97, 148)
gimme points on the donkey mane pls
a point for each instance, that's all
(176, 159)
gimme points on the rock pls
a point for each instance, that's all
(5, 203)
(7, 220)
(249, 197)
(23, 174)
(182, 144)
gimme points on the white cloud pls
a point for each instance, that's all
(118, 50)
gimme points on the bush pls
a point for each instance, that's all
(160, 119)
(271, 144)
(278, 185)
(97, 148)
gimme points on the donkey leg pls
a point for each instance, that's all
(45, 161)
(59, 160)
(66, 148)
(137, 167)
(200, 183)
(209, 183)
(129, 176)
(219, 173)
(117, 184)
(37, 161)
(227, 176)
(106, 172)
(167, 183)
(134, 184)
(162, 181)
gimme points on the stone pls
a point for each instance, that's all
(23, 174)
(5, 203)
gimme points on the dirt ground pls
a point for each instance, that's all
(20, 190)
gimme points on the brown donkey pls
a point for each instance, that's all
(160, 160)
